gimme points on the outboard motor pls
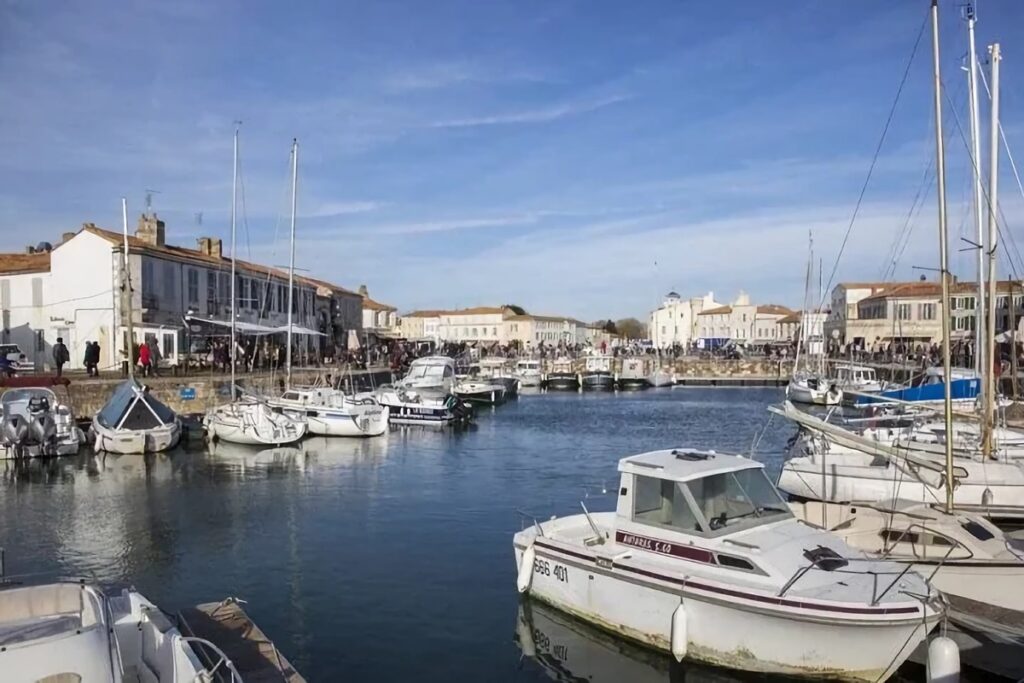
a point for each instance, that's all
(43, 428)
(13, 430)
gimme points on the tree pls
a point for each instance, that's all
(631, 328)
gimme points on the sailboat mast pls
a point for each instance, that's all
(291, 265)
(993, 241)
(940, 176)
(234, 259)
(981, 349)
(126, 293)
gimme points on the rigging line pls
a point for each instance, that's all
(1006, 235)
(874, 159)
(891, 257)
(913, 223)
(267, 287)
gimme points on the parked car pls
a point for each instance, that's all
(17, 360)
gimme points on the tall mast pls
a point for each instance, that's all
(993, 241)
(234, 259)
(940, 175)
(291, 264)
(126, 292)
(980, 349)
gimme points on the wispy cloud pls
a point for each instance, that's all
(540, 115)
(342, 208)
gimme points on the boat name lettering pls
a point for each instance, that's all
(647, 544)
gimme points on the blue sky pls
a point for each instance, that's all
(571, 156)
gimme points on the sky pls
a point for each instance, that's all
(575, 157)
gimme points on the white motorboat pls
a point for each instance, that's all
(35, 423)
(563, 376)
(331, 412)
(408, 407)
(857, 378)
(482, 391)
(598, 373)
(813, 390)
(528, 372)
(704, 559)
(970, 560)
(134, 421)
(73, 632)
(497, 370)
(431, 373)
(662, 377)
(635, 373)
(254, 423)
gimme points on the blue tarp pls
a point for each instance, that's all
(959, 389)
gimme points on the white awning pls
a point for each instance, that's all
(252, 328)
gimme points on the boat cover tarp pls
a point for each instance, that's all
(959, 390)
(131, 398)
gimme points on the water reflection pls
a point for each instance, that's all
(570, 650)
(243, 460)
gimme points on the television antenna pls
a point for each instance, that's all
(149, 199)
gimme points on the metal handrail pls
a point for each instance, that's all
(235, 676)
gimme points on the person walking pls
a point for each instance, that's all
(95, 359)
(86, 357)
(60, 356)
(144, 360)
(154, 356)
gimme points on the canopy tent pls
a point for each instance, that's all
(252, 328)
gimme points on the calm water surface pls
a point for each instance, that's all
(379, 560)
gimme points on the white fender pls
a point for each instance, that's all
(679, 635)
(526, 569)
(943, 661)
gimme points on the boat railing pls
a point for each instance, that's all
(523, 515)
(876, 596)
(222, 659)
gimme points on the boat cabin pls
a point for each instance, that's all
(525, 365)
(853, 375)
(634, 367)
(490, 367)
(320, 396)
(563, 366)
(598, 364)
(436, 368)
(695, 493)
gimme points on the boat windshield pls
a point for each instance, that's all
(432, 370)
(711, 505)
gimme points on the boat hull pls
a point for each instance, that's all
(562, 381)
(135, 441)
(634, 383)
(346, 423)
(246, 426)
(798, 392)
(719, 633)
(597, 381)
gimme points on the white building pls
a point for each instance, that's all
(533, 330)
(809, 328)
(741, 322)
(379, 318)
(81, 294)
(675, 321)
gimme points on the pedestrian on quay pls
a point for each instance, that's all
(86, 358)
(60, 356)
(154, 355)
(144, 360)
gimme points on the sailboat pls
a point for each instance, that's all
(133, 421)
(974, 564)
(326, 411)
(810, 386)
(251, 420)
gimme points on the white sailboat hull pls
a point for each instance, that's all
(737, 636)
(253, 424)
(135, 441)
(801, 392)
(347, 423)
(844, 477)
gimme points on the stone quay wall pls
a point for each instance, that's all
(197, 393)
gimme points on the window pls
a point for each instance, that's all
(254, 294)
(224, 287)
(148, 277)
(902, 311)
(968, 303)
(211, 292)
(662, 502)
(193, 287)
(282, 299)
(737, 497)
(926, 311)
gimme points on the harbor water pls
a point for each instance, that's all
(387, 559)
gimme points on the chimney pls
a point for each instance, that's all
(151, 230)
(30, 249)
(66, 236)
(204, 245)
(363, 291)
(216, 248)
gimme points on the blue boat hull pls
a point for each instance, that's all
(960, 390)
